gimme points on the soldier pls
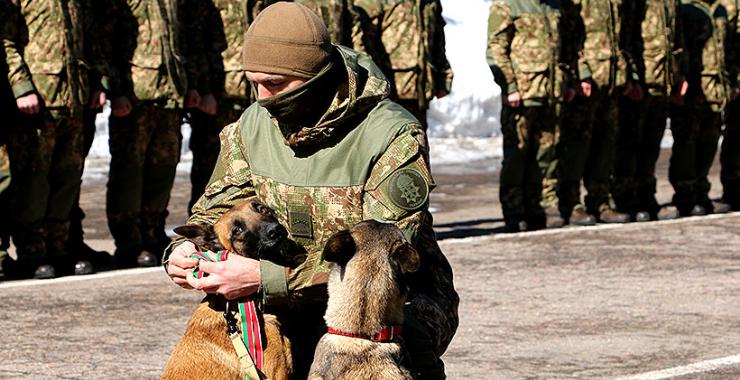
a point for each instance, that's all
(590, 121)
(533, 65)
(48, 46)
(406, 38)
(222, 82)
(8, 110)
(654, 45)
(338, 16)
(730, 154)
(325, 149)
(149, 86)
(697, 123)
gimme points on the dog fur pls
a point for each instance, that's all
(248, 229)
(366, 294)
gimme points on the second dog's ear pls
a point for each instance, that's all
(407, 258)
(340, 248)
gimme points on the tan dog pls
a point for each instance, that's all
(249, 229)
(365, 309)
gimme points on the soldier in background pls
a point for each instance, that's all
(406, 39)
(340, 19)
(8, 109)
(654, 45)
(590, 122)
(696, 123)
(730, 154)
(221, 81)
(149, 87)
(532, 56)
(49, 48)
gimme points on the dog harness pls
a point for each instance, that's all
(385, 335)
(248, 342)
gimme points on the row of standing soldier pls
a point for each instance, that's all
(588, 86)
(156, 62)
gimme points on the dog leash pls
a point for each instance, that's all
(247, 342)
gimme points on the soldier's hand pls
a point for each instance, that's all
(633, 91)
(586, 88)
(97, 100)
(208, 104)
(441, 94)
(180, 264)
(680, 90)
(735, 92)
(28, 104)
(192, 99)
(570, 94)
(513, 100)
(120, 106)
(236, 277)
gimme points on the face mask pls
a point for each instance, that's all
(302, 106)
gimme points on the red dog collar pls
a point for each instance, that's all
(387, 334)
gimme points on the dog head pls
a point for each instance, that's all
(249, 229)
(366, 286)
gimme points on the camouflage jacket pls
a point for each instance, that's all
(51, 47)
(654, 43)
(337, 15)
(374, 167)
(406, 38)
(153, 59)
(600, 55)
(706, 26)
(531, 48)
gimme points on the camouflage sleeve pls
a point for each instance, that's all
(196, 20)
(367, 31)
(398, 192)
(11, 33)
(500, 34)
(578, 35)
(98, 44)
(121, 28)
(441, 70)
(629, 34)
(571, 41)
(680, 55)
(733, 42)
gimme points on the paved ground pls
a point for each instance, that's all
(597, 302)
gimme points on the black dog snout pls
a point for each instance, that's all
(276, 231)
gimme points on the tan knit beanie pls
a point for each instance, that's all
(287, 38)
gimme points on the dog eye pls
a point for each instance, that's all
(237, 229)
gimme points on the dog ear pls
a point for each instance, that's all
(198, 233)
(340, 248)
(407, 258)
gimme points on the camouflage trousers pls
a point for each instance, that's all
(696, 129)
(45, 152)
(730, 156)
(76, 215)
(145, 150)
(586, 150)
(205, 143)
(641, 128)
(529, 133)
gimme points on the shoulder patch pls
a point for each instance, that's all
(407, 189)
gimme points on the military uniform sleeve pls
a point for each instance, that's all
(629, 35)
(571, 34)
(398, 192)
(578, 34)
(441, 71)
(98, 44)
(121, 27)
(198, 23)
(500, 35)
(680, 56)
(11, 33)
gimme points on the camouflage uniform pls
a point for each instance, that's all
(373, 166)
(50, 48)
(590, 124)
(221, 29)
(730, 154)
(654, 45)
(406, 38)
(151, 71)
(8, 109)
(697, 124)
(528, 56)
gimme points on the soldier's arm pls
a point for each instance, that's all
(680, 54)
(628, 36)
(441, 69)
(366, 29)
(98, 43)
(577, 33)
(196, 19)
(500, 34)
(572, 36)
(733, 43)
(13, 33)
(398, 192)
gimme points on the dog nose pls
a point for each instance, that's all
(276, 231)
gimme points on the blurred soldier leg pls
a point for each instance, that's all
(4, 206)
(547, 160)
(205, 143)
(145, 149)
(653, 128)
(88, 259)
(710, 129)
(520, 191)
(730, 157)
(573, 151)
(624, 185)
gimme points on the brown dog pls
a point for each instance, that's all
(365, 308)
(249, 229)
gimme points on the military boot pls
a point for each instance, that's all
(720, 207)
(579, 217)
(667, 212)
(609, 215)
(641, 216)
(553, 218)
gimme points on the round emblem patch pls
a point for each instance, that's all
(407, 189)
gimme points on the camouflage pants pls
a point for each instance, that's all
(586, 150)
(45, 152)
(696, 130)
(529, 136)
(145, 150)
(206, 145)
(730, 156)
(641, 128)
(76, 215)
